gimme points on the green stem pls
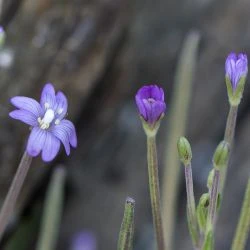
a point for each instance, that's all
(213, 198)
(243, 227)
(52, 211)
(230, 126)
(229, 137)
(14, 191)
(208, 243)
(125, 241)
(191, 212)
(155, 191)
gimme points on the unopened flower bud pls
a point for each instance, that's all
(221, 155)
(236, 68)
(184, 150)
(151, 106)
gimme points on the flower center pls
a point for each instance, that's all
(47, 119)
(151, 100)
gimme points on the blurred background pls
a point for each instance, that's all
(99, 52)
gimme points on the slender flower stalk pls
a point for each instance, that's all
(231, 124)
(243, 227)
(191, 212)
(220, 160)
(185, 155)
(15, 188)
(213, 197)
(229, 137)
(151, 106)
(155, 190)
(125, 241)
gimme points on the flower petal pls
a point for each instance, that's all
(28, 104)
(154, 110)
(157, 93)
(158, 108)
(71, 132)
(61, 133)
(48, 98)
(62, 105)
(65, 131)
(151, 91)
(141, 106)
(51, 147)
(24, 116)
(36, 141)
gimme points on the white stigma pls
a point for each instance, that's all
(47, 119)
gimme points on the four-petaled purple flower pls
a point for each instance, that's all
(47, 120)
(150, 103)
(236, 66)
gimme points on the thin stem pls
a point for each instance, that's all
(229, 137)
(13, 193)
(208, 243)
(243, 227)
(230, 126)
(191, 213)
(155, 191)
(51, 217)
(125, 241)
(213, 198)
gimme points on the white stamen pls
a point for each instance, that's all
(59, 111)
(57, 121)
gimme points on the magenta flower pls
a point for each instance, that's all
(236, 66)
(49, 127)
(150, 103)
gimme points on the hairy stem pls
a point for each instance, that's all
(125, 241)
(155, 191)
(14, 190)
(213, 198)
(229, 138)
(191, 212)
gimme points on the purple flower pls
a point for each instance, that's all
(150, 103)
(236, 66)
(49, 127)
(84, 241)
